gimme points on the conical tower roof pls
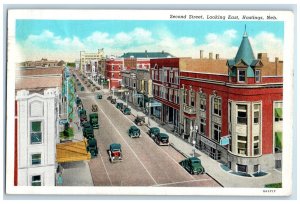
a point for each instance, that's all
(245, 51)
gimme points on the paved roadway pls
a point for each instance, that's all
(144, 162)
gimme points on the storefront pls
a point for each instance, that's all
(212, 149)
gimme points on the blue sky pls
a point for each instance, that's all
(63, 39)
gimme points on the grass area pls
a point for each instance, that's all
(67, 134)
(273, 185)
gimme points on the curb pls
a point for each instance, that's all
(178, 150)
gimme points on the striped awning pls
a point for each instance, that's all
(71, 152)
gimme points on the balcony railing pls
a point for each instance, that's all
(189, 109)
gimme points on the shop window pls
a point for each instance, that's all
(36, 180)
(241, 168)
(277, 164)
(241, 75)
(242, 114)
(217, 106)
(36, 132)
(256, 168)
(36, 159)
(278, 114)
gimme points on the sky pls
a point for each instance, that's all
(64, 39)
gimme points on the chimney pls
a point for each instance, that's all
(201, 54)
(210, 55)
(217, 56)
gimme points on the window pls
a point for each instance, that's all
(165, 76)
(170, 94)
(257, 75)
(192, 101)
(176, 78)
(256, 147)
(217, 106)
(217, 132)
(278, 142)
(36, 180)
(171, 77)
(160, 75)
(256, 168)
(184, 96)
(242, 114)
(175, 96)
(36, 132)
(112, 67)
(202, 102)
(241, 168)
(241, 75)
(36, 159)
(256, 113)
(202, 126)
(278, 114)
(242, 148)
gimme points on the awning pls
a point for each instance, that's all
(278, 139)
(278, 112)
(71, 152)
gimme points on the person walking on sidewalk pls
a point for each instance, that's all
(60, 179)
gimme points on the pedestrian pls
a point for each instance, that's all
(60, 180)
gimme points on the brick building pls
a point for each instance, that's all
(113, 68)
(237, 107)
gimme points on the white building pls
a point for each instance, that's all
(89, 62)
(37, 118)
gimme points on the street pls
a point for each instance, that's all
(144, 162)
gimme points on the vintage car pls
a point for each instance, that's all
(153, 132)
(192, 165)
(126, 111)
(162, 139)
(94, 108)
(109, 98)
(92, 147)
(83, 119)
(94, 120)
(99, 96)
(113, 100)
(78, 101)
(88, 131)
(119, 105)
(82, 88)
(139, 120)
(115, 152)
(134, 132)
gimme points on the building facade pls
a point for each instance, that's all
(113, 67)
(165, 78)
(237, 108)
(89, 63)
(36, 137)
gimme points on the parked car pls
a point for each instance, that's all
(94, 120)
(119, 106)
(94, 108)
(92, 147)
(162, 139)
(99, 96)
(82, 89)
(115, 152)
(139, 120)
(134, 131)
(113, 100)
(153, 132)
(126, 111)
(193, 165)
(88, 131)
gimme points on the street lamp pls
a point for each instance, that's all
(193, 129)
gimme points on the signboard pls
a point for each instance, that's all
(225, 140)
(154, 104)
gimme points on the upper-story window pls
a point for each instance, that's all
(184, 95)
(217, 106)
(242, 114)
(202, 102)
(192, 98)
(171, 77)
(176, 77)
(257, 75)
(165, 76)
(256, 113)
(36, 159)
(278, 111)
(36, 132)
(112, 67)
(241, 75)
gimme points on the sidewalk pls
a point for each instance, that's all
(212, 167)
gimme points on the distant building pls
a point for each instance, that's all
(89, 63)
(42, 63)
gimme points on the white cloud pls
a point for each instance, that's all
(267, 43)
(140, 39)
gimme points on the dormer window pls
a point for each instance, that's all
(257, 75)
(241, 75)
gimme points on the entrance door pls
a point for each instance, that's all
(171, 115)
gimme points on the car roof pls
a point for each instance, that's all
(115, 146)
(163, 134)
(154, 128)
(134, 127)
(194, 159)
